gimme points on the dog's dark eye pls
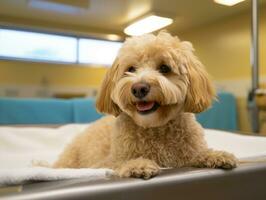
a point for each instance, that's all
(131, 69)
(164, 69)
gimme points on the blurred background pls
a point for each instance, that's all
(62, 48)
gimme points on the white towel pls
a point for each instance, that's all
(242, 146)
(21, 175)
(20, 146)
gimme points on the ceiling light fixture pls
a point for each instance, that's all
(228, 2)
(148, 24)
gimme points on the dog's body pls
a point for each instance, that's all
(154, 86)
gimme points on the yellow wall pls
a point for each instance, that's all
(32, 73)
(224, 48)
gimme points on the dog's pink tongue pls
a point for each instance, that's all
(144, 106)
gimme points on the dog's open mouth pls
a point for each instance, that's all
(146, 107)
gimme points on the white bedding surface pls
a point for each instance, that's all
(20, 146)
(242, 146)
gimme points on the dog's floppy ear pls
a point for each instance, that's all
(104, 103)
(201, 91)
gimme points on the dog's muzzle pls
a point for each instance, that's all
(141, 90)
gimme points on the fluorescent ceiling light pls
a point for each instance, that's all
(228, 2)
(147, 25)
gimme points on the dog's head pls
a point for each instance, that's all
(153, 79)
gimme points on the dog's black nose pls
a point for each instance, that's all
(140, 90)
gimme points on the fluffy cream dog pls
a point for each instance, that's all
(153, 88)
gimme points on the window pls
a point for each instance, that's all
(37, 46)
(25, 45)
(98, 51)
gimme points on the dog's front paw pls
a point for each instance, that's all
(139, 168)
(216, 159)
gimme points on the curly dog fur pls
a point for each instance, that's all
(153, 89)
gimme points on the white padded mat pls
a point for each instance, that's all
(242, 146)
(20, 146)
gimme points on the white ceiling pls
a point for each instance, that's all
(112, 16)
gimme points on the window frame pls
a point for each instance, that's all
(56, 33)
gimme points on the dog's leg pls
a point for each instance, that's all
(215, 159)
(139, 168)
